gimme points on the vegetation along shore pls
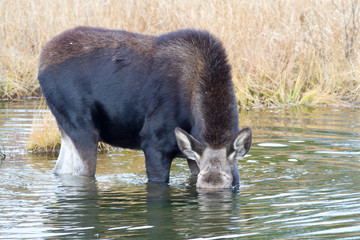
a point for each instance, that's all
(282, 52)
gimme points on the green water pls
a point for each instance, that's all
(300, 180)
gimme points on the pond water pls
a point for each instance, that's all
(300, 180)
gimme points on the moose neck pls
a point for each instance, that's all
(216, 106)
(214, 103)
(206, 82)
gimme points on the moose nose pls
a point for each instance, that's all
(213, 179)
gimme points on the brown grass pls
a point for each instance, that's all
(45, 136)
(282, 51)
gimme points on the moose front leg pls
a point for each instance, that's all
(158, 165)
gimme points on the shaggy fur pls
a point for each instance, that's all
(133, 90)
(81, 40)
(206, 79)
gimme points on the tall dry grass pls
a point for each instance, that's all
(282, 51)
(44, 136)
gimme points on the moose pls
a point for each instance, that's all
(169, 95)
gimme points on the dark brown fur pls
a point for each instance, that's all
(206, 77)
(200, 57)
(132, 90)
(81, 40)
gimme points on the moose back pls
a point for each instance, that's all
(169, 95)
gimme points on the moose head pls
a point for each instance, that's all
(217, 167)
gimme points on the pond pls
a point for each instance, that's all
(300, 180)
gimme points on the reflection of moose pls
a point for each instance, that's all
(82, 208)
(138, 91)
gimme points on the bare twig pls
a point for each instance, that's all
(350, 22)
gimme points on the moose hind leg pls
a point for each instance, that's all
(75, 158)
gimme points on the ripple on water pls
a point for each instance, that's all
(272, 145)
(299, 181)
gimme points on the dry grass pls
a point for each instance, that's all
(45, 136)
(282, 51)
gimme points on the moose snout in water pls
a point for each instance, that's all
(214, 179)
(217, 167)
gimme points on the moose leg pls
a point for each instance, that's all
(77, 156)
(157, 165)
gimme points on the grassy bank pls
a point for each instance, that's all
(282, 51)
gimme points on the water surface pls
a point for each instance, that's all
(300, 180)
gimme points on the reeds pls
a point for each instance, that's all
(284, 51)
(281, 51)
(45, 136)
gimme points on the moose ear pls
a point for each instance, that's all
(241, 144)
(188, 145)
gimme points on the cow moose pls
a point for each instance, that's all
(169, 95)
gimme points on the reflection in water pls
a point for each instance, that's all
(76, 202)
(151, 211)
(215, 212)
(159, 203)
(300, 180)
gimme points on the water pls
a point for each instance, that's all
(300, 180)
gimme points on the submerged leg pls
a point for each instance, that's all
(77, 157)
(158, 165)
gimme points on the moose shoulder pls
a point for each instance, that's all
(169, 95)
